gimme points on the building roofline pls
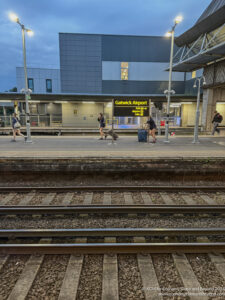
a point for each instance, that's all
(207, 24)
(104, 34)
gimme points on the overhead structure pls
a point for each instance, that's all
(204, 43)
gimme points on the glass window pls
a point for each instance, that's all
(30, 84)
(48, 85)
(124, 70)
(193, 74)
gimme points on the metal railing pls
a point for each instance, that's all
(35, 120)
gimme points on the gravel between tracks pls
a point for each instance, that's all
(108, 221)
(219, 198)
(97, 198)
(137, 198)
(206, 273)
(117, 198)
(37, 199)
(57, 200)
(130, 284)
(16, 200)
(177, 198)
(167, 274)
(90, 284)
(10, 274)
(49, 279)
(156, 198)
(78, 198)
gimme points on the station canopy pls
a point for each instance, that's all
(204, 43)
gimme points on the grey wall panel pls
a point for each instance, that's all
(135, 48)
(80, 63)
(141, 71)
(140, 87)
(189, 87)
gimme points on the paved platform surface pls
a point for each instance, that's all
(91, 146)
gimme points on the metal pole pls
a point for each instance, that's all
(196, 140)
(28, 138)
(169, 88)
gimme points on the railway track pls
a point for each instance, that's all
(112, 209)
(123, 188)
(138, 243)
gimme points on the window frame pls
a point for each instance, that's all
(28, 80)
(46, 85)
(124, 71)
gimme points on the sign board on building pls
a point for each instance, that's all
(131, 108)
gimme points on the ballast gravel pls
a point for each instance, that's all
(10, 273)
(156, 198)
(78, 198)
(97, 198)
(168, 276)
(57, 200)
(117, 198)
(137, 198)
(49, 279)
(37, 199)
(90, 283)
(130, 284)
(108, 221)
(207, 275)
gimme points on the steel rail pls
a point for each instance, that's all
(113, 188)
(111, 232)
(112, 209)
(103, 248)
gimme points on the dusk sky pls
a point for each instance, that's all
(49, 17)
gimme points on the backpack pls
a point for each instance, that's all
(220, 118)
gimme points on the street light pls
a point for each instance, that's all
(168, 92)
(199, 81)
(15, 18)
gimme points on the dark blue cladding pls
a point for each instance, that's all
(140, 87)
(135, 48)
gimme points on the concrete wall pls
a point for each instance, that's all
(39, 76)
(81, 115)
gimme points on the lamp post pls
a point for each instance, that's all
(15, 18)
(199, 81)
(168, 92)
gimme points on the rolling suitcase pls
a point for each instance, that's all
(112, 134)
(142, 135)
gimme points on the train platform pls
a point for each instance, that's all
(125, 147)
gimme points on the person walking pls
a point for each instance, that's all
(101, 121)
(16, 127)
(217, 119)
(152, 128)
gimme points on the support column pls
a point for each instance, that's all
(208, 108)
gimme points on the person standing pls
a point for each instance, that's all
(101, 121)
(152, 128)
(16, 127)
(217, 119)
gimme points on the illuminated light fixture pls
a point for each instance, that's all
(90, 102)
(178, 19)
(6, 101)
(13, 17)
(168, 34)
(60, 102)
(186, 102)
(30, 32)
(35, 101)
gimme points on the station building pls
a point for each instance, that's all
(96, 68)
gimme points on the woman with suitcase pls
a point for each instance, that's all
(101, 121)
(152, 128)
